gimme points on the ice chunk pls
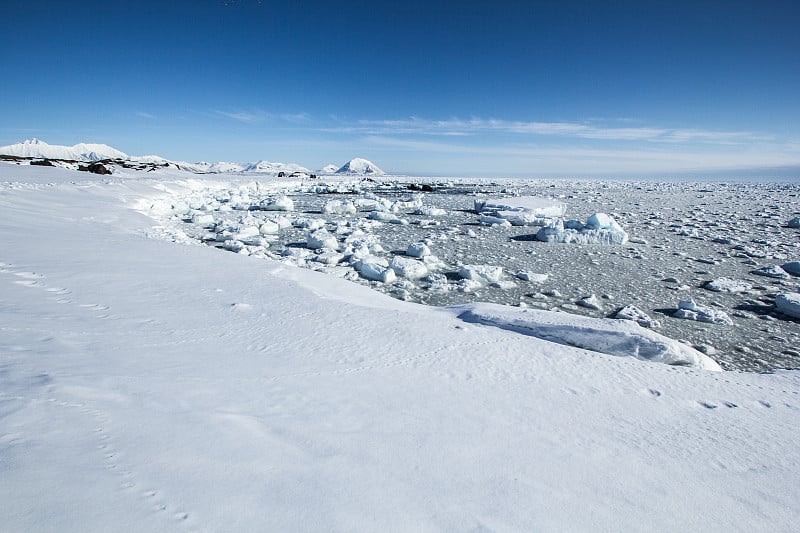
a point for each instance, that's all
(728, 285)
(532, 277)
(407, 267)
(590, 302)
(772, 271)
(277, 203)
(690, 310)
(321, 238)
(631, 312)
(481, 273)
(418, 249)
(599, 229)
(794, 223)
(520, 210)
(339, 207)
(430, 211)
(788, 303)
(792, 267)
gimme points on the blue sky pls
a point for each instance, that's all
(500, 88)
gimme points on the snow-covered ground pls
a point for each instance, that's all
(147, 385)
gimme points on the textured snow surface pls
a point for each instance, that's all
(147, 385)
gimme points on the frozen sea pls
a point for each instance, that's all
(683, 235)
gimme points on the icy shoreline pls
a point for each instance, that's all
(181, 387)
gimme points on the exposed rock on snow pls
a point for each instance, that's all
(359, 166)
(728, 285)
(611, 337)
(690, 310)
(788, 304)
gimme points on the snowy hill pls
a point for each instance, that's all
(78, 152)
(360, 166)
(268, 167)
(328, 169)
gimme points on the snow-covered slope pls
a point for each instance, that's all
(360, 166)
(152, 386)
(272, 168)
(78, 152)
(328, 169)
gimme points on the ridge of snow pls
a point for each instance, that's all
(360, 166)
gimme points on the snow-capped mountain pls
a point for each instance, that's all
(78, 152)
(86, 152)
(328, 169)
(360, 166)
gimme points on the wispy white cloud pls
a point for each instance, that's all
(477, 126)
(248, 117)
(144, 114)
(256, 116)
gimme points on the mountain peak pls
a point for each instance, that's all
(361, 167)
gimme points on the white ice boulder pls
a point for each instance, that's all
(269, 228)
(321, 238)
(727, 285)
(520, 210)
(377, 272)
(689, 310)
(429, 211)
(600, 228)
(277, 203)
(532, 276)
(788, 303)
(339, 207)
(418, 249)
(408, 268)
(205, 220)
(631, 312)
(481, 273)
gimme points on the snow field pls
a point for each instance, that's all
(178, 387)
